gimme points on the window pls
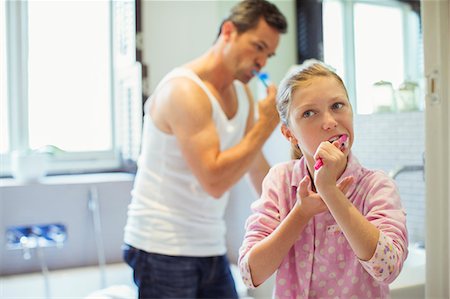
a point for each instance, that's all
(4, 142)
(72, 83)
(69, 73)
(372, 45)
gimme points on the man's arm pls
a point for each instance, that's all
(183, 109)
(258, 171)
(260, 167)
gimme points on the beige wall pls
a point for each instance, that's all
(175, 32)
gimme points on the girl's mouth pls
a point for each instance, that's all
(333, 139)
(343, 140)
(343, 144)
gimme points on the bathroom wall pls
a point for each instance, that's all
(168, 43)
(389, 140)
(64, 200)
(174, 32)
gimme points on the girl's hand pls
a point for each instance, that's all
(310, 202)
(334, 163)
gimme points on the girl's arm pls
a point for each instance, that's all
(377, 235)
(383, 226)
(360, 233)
(267, 254)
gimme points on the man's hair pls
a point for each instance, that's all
(246, 14)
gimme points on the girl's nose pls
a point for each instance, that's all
(329, 122)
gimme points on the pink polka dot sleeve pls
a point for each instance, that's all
(383, 209)
(245, 272)
(384, 265)
(264, 219)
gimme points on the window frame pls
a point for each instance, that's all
(349, 71)
(17, 98)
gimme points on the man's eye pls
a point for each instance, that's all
(259, 47)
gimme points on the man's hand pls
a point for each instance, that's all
(267, 108)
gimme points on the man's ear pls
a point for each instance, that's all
(288, 134)
(227, 29)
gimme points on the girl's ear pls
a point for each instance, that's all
(288, 134)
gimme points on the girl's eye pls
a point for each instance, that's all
(308, 114)
(337, 106)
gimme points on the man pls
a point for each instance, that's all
(200, 137)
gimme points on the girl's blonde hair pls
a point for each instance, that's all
(294, 80)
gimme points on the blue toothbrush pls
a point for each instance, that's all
(263, 77)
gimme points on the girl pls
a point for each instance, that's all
(329, 227)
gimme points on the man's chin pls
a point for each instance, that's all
(244, 79)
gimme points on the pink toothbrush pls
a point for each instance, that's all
(343, 144)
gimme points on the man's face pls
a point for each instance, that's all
(251, 49)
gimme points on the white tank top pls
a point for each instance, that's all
(170, 213)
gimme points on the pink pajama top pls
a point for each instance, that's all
(321, 263)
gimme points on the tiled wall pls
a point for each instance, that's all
(389, 140)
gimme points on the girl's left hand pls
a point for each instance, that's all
(334, 163)
(310, 202)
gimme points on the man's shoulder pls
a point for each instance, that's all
(179, 79)
(179, 100)
(180, 89)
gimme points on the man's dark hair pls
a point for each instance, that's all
(246, 14)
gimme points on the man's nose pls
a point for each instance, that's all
(261, 61)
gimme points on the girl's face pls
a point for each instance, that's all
(320, 111)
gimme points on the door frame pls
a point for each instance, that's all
(435, 15)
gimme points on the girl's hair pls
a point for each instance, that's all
(296, 79)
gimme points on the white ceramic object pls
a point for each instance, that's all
(28, 166)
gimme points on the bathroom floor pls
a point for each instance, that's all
(72, 283)
(82, 283)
